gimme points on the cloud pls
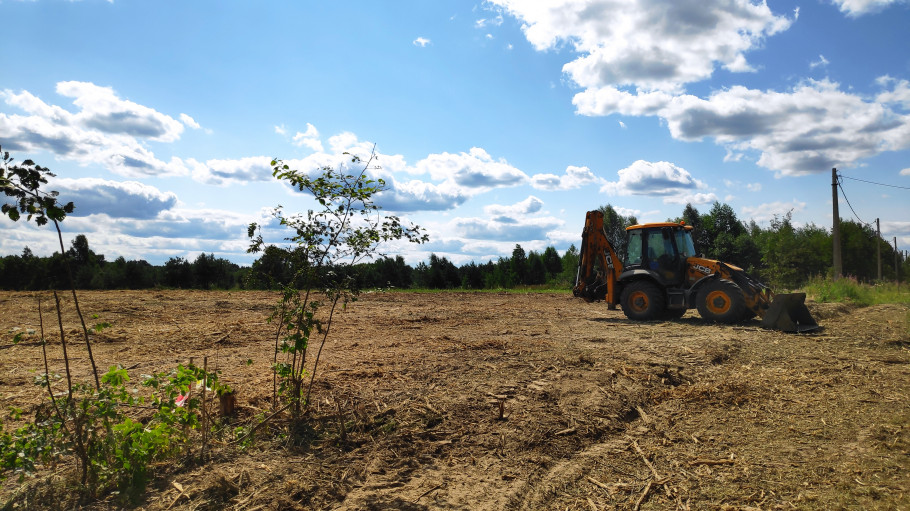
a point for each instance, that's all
(189, 121)
(634, 57)
(856, 8)
(232, 171)
(459, 176)
(767, 211)
(118, 199)
(694, 198)
(347, 141)
(905, 172)
(627, 211)
(422, 42)
(102, 109)
(645, 44)
(524, 229)
(575, 177)
(173, 232)
(811, 128)
(515, 212)
(485, 22)
(181, 224)
(752, 187)
(309, 138)
(895, 228)
(821, 62)
(417, 195)
(610, 100)
(106, 130)
(652, 178)
(898, 95)
(473, 172)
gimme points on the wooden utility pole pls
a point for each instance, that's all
(897, 269)
(835, 231)
(878, 246)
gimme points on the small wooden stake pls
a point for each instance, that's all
(205, 377)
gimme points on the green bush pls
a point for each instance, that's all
(108, 431)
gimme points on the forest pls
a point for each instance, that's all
(781, 254)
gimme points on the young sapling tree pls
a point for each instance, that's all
(347, 227)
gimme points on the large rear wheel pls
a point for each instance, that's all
(722, 301)
(643, 301)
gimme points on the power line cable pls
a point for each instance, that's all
(873, 182)
(840, 185)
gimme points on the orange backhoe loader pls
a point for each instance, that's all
(661, 277)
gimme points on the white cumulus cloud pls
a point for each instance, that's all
(856, 8)
(309, 138)
(515, 211)
(474, 171)
(810, 129)
(106, 130)
(645, 44)
(574, 177)
(189, 121)
(118, 199)
(660, 178)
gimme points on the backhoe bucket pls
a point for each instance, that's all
(788, 313)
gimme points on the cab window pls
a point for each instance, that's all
(684, 243)
(658, 245)
(633, 249)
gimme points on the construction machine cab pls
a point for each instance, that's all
(660, 249)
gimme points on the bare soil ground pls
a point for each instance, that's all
(511, 401)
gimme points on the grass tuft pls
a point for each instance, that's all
(849, 290)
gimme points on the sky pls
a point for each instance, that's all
(494, 123)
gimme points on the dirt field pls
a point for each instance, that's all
(512, 401)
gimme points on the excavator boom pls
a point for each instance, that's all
(598, 264)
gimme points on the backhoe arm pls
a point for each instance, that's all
(598, 264)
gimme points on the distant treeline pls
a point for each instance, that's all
(782, 255)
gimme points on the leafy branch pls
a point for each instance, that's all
(23, 183)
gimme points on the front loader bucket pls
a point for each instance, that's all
(788, 313)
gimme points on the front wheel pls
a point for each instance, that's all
(642, 301)
(721, 300)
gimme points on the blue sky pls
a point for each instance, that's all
(496, 123)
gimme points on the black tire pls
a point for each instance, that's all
(722, 301)
(643, 301)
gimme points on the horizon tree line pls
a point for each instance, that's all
(783, 255)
